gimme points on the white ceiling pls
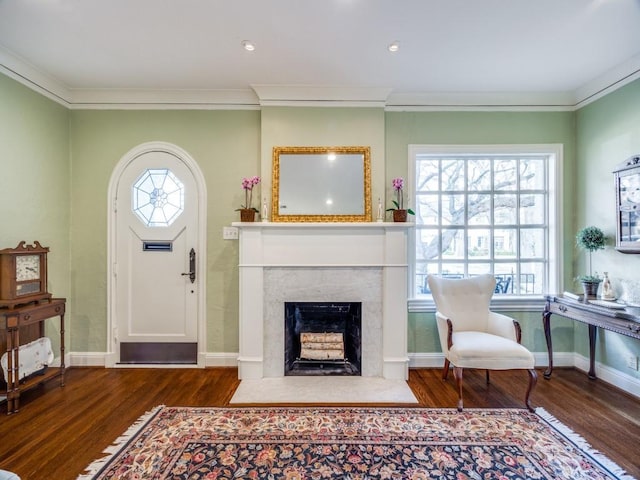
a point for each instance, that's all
(452, 52)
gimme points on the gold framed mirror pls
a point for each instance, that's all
(321, 184)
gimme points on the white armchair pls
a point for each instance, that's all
(471, 336)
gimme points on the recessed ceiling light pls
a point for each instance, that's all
(248, 46)
(394, 47)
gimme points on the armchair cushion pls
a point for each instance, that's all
(488, 351)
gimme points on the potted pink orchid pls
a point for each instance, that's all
(247, 212)
(399, 212)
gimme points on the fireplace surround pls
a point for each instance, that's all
(323, 262)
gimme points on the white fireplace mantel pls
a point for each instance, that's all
(364, 262)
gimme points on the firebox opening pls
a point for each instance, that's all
(322, 338)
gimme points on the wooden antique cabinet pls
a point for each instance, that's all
(627, 180)
(18, 326)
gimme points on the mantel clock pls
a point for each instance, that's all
(23, 274)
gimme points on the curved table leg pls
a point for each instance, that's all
(593, 333)
(546, 322)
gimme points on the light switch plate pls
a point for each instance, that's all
(230, 233)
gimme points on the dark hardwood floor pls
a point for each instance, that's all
(59, 431)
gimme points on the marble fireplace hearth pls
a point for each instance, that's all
(323, 390)
(323, 262)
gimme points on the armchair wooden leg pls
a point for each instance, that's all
(533, 378)
(457, 373)
(445, 369)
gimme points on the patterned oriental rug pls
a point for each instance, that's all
(350, 443)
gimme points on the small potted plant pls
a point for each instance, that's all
(399, 212)
(247, 212)
(590, 239)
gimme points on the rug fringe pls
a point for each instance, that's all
(118, 444)
(614, 469)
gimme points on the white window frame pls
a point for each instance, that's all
(554, 216)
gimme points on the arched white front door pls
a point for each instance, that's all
(157, 249)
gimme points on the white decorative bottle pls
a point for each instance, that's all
(380, 217)
(265, 211)
(607, 291)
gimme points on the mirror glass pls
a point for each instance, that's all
(321, 184)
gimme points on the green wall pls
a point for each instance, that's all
(67, 158)
(35, 178)
(326, 126)
(608, 132)
(471, 128)
(226, 146)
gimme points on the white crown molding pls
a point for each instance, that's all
(152, 99)
(314, 95)
(610, 81)
(26, 74)
(480, 101)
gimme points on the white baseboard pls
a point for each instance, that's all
(425, 360)
(608, 374)
(99, 359)
(87, 359)
(560, 359)
(436, 360)
(225, 359)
